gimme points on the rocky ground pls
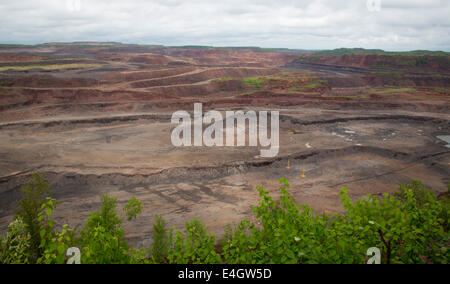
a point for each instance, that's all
(96, 120)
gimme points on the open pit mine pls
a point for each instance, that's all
(96, 118)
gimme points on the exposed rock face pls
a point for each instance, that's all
(366, 61)
(96, 119)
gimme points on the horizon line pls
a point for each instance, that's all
(206, 46)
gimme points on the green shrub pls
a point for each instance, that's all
(132, 208)
(30, 205)
(106, 217)
(105, 247)
(404, 231)
(103, 237)
(53, 244)
(159, 248)
(420, 192)
(14, 248)
(288, 233)
(196, 246)
(226, 237)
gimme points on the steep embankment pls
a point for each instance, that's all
(366, 62)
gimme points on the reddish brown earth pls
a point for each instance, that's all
(103, 126)
(423, 63)
(19, 58)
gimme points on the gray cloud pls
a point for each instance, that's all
(320, 24)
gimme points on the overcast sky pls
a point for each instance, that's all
(309, 24)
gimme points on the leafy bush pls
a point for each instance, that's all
(288, 233)
(403, 230)
(132, 208)
(53, 244)
(103, 237)
(105, 247)
(106, 217)
(159, 248)
(196, 246)
(14, 248)
(420, 192)
(30, 205)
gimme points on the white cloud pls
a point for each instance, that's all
(320, 24)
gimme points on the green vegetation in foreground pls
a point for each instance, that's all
(410, 226)
(50, 67)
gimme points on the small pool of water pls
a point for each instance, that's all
(445, 138)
